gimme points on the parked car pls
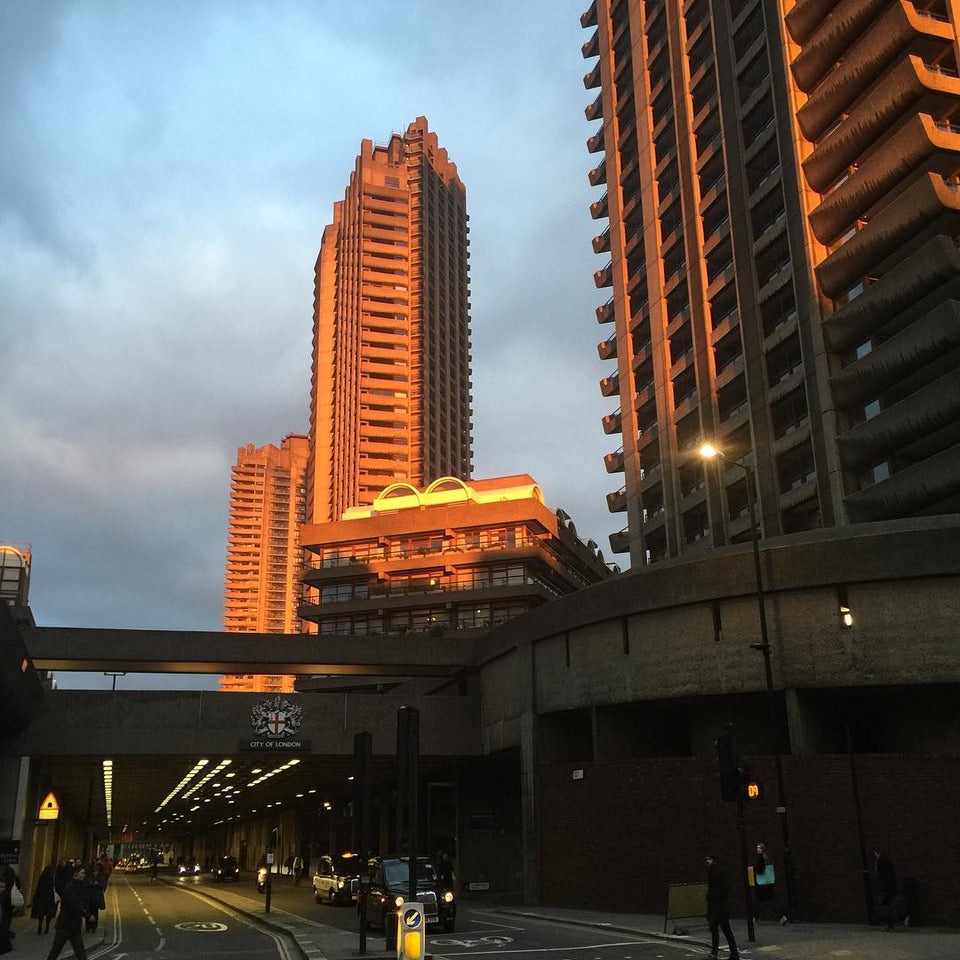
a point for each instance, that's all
(226, 868)
(389, 887)
(337, 879)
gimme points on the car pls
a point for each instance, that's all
(337, 879)
(226, 868)
(189, 868)
(389, 887)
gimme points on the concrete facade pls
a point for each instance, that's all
(268, 500)
(584, 730)
(390, 390)
(780, 207)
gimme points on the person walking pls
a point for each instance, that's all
(297, 868)
(45, 896)
(718, 908)
(63, 875)
(96, 882)
(764, 879)
(887, 885)
(8, 878)
(74, 909)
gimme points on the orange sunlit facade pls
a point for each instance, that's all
(452, 557)
(780, 191)
(390, 392)
(267, 508)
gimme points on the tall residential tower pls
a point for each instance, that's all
(390, 392)
(780, 184)
(264, 559)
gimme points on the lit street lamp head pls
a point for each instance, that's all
(708, 451)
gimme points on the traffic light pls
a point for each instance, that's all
(752, 790)
(731, 786)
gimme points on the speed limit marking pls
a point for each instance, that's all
(202, 926)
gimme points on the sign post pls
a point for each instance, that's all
(411, 932)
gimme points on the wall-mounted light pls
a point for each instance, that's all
(843, 603)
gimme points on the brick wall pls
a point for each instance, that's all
(619, 836)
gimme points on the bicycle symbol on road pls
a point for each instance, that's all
(202, 926)
(474, 942)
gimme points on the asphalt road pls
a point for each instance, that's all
(160, 920)
(479, 932)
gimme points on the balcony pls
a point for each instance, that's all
(598, 175)
(594, 111)
(605, 312)
(599, 208)
(604, 277)
(592, 47)
(607, 349)
(591, 80)
(617, 501)
(601, 243)
(613, 422)
(620, 541)
(610, 386)
(595, 143)
(613, 462)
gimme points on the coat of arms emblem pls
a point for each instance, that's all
(275, 718)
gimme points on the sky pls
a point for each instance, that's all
(166, 173)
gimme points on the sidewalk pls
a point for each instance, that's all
(795, 941)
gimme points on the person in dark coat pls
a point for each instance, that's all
(8, 878)
(74, 910)
(764, 890)
(63, 875)
(5, 945)
(96, 882)
(887, 886)
(718, 908)
(44, 907)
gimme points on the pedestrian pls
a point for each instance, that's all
(63, 875)
(96, 882)
(288, 863)
(718, 908)
(297, 868)
(45, 897)
(887, 886)
(5, 945)
(764, 879)
(9, 879)
(73, 912)
(445, 870)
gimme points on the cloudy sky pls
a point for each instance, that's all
(166, 173)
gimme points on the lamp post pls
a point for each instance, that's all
(709, 452)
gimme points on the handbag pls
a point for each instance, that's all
(16, 898)
(767, 877)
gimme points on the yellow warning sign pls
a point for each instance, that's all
(50, 808)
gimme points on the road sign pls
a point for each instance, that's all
(412, 932)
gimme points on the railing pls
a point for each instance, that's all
(398, 552)
(440, 586)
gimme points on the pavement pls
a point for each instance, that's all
(308, 939)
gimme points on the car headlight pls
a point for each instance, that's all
(448, 896)
(340, 884)
(399, 901)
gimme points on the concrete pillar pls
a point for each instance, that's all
(526, 657)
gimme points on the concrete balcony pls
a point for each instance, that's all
(605, 312)
(607, 349)
(601, 242)
(594, 111)
(612, 422)
(604, 276)
(598, 175)
(617, 501)
(599, 208)
(595, 143)
(613, 462)
(591, 80)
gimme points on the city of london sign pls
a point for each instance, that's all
(275, 725)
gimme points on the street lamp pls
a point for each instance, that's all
(709, 452)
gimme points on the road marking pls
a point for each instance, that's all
(202, 926)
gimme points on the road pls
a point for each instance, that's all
(170, 921)
(479, 932)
